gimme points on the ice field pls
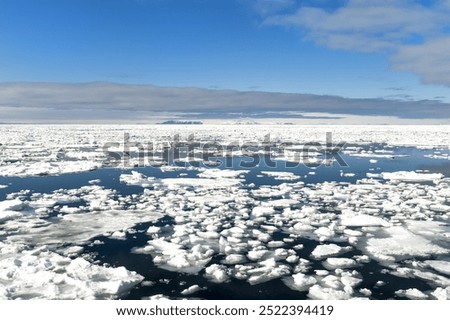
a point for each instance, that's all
(77, 223)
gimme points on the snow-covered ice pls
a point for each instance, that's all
(42, 274)
(327, 250)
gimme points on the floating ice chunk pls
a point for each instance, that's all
(322, 273)
(220, 174)
(349, 279)
(373, 160)
(380, 283)
(269, 270)
(378, 155)
(365, 292)
(43, 203)
(37, 168)
(262, 211)
(432, 230)
(280, 203)
(67, 210)
(347, 174)
(42, 274)
(174, 257)
(9, 215)
(396, 243)
(235, 259)
(328, 250)
(362, 220)
(78, 228)
(439, 265)
(217, 273)
(9, 209)
(341, 263)
(95, 181)
(73, 251)
(292, 259)
(118, 235)
(136, 179)
(302, 227)
(362, 259)
(324, 233)
(300, 282)
(441, 293)
(157, 297)
(277, 175)
(257, 255)
(275, 244)
(331, 281)
(411, 176)
(3, 186)
(413, 294)
(153, 230)
(373, 175)
(236, 230)
(353, 233)
(175, 183)
(316, 292)
(11, 205)
(192, 289)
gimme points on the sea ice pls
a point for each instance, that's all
(216, 273)
(341, 263)
(300, 282)
(327, 250)
(316, 292)
(396, 243)
(42, 274)
(411, 176)
(174, 257)
(413, 294)
(278, 175)
(192, 289)
(439, 265)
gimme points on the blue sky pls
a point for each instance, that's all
(356, 49)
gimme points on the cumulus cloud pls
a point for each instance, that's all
(408, 29)
(365, 25)
(431, 60)
(28, 102)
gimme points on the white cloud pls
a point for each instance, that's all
(415, 32)
(430, 60)
(365, 25)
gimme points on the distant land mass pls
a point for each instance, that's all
(182, 122)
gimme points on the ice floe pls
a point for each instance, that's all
(192, 289)
(413, 293)
(396, 243)
(42, 274)
(174, 257)
(439, 265)
(411, 176)
(278, 175)
(328, 250)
